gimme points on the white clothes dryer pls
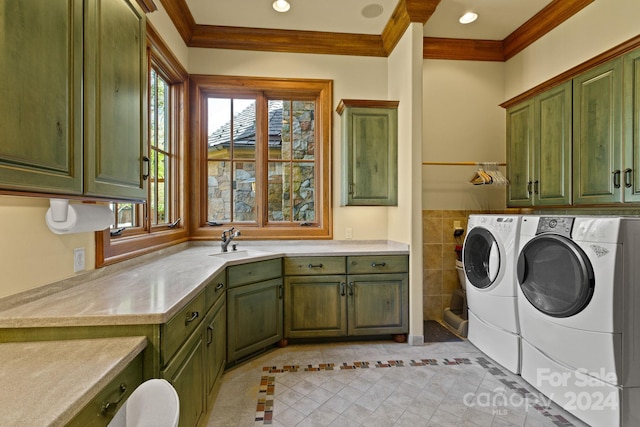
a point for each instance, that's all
(578, 294)
(488, 255)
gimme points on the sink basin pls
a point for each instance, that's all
(241, 254)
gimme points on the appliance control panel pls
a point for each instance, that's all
(557, 225)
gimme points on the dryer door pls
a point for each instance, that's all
(555, 275)
(481, 258)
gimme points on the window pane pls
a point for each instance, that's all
(279, 197)
(279, 130)
(304, 192)
(162, 215)
(219, 191)
(124, 214)
(163, 115)
(244, 193)
(232, 127)
(303, 113)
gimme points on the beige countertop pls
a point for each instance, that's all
(151, 292)
(46, 383)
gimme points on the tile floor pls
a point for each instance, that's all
(380, 383)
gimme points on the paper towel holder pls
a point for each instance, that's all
(64, 218)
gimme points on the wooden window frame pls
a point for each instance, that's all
(146, 238)
(201, 87)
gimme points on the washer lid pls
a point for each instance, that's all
(481, 255)
(555, 275)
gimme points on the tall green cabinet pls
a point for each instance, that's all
(370, 152)
(73, 104)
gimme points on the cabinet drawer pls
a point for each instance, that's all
(314, 265)
(178, 329)
(254, 272)
(215, 289)
(371, 264)
(118, 390)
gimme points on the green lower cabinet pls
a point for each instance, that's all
(216, 343)
(378, 304)
(186, 372)
(315, 306)
(110, 399)
(254, 317)
(372, 298)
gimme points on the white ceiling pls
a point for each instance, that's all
(497, 18)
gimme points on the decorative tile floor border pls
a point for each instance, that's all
(264, 408)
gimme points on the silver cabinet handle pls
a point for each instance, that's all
(108, 407)
(219, 286)
(342, 290)
(315, 265)
(628, 177)
(616, 178)
(194, 316)
(378, 264)
(351, 289)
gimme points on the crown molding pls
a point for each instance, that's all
(406, 12)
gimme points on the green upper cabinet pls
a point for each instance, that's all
(41, 102)
(370, 152)
(73, 104)
(631, 171)
(552, 146)
(539, 149)
(597, 132)
(115, 98)
(519, 154)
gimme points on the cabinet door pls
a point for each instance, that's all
(115, 99)
(370, 141)
(597, 121)
(216, 343)
(41, 95)
(255, 317)
(315, 306)
(552, 156)
(631, 171)
(187, 375)
(378, 304)
(520, 140)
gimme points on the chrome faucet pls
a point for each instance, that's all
(227, 237)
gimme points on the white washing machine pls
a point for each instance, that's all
(488, 256)
(579, 311)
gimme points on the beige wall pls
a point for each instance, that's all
(30, 254)
(405, 220)
(462, 122)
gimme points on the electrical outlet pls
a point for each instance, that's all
(78, 260)
(348, 233)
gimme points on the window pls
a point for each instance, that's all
(140, 228)
(264, 156)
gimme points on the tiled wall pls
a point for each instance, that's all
(440, 278)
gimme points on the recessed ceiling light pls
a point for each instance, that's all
(468, 18)
(372, 10)
(281, 5)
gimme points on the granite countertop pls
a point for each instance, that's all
(46, 383)
(153, 291)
